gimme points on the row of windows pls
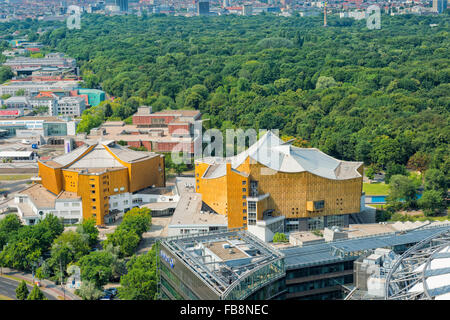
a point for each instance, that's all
(319, 284)
(74, 204)
(317, 270)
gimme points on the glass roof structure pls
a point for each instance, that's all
(422, 272)
(341, 250)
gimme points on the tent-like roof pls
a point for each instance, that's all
(103, 154)
(281, 156)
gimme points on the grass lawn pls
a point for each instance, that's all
(376, 188)
(11, 177)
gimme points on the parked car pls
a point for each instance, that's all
(112, 291)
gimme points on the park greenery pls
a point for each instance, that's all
(403, 194)
(140, 282)
(129, 233)
(375, 96)
(50, 252)
(378, 96)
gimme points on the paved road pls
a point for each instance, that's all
(8, 288)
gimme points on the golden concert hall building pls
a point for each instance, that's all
(102, 171)
(280, 187)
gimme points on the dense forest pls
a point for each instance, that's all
(378, 96)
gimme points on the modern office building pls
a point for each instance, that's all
(95, 96)
(58, 60)
(439, 6)
(210, 265)
(202, 7)
(273, 180)
(34, 87)
(71, 106)
(222, 265)
(46, 126)
(123, 5)
(101, 170)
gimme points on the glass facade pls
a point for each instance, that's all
(315, 223)
(251, 212)
(317, 278)
(256, 280)
(338, 221)
(55, 129)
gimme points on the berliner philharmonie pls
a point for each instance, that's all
(295, 190)
(277, 183)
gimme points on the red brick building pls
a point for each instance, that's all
(157, 131)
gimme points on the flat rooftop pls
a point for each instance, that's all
(341, 250)
(223, 276)
(220, 249)
(188, 210)
(116, 131)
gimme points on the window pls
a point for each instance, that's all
(244, 183)
(66, 204)
(318, 205)
(244, 190)
(315, 223)
(116, 189)
(244, 197)
(252, 206)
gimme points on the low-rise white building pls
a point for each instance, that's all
(72, 106)
(36, 202)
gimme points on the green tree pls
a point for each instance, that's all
(394, 169)
(89, 291)
(432, 202)
(280, 237)
(141, 280)
(68, 247)
(370, 172)
(325, 82)
(126, 240)
(401, 189)
(89, 229)
(435, 180)
(22, 291)
(96, 267)
(36, 294)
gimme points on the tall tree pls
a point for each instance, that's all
(22, 291)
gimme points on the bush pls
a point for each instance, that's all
(280, 237)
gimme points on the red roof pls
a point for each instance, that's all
(34, 49)
(45, 94)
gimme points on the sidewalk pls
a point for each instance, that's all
(46, 285)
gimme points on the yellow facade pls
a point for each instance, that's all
(94, 186)
(291, 195)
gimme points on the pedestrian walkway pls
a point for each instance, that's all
(46, 286)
